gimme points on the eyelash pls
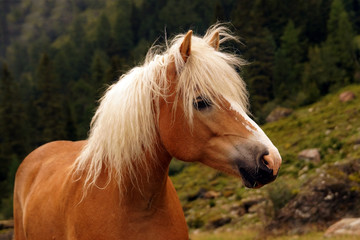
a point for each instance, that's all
(202, 103)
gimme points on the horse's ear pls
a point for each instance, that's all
(214, 41)
(185, 48)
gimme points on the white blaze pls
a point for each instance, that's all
(257, 134)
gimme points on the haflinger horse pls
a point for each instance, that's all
(187, 102)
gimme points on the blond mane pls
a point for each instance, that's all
(124, 129)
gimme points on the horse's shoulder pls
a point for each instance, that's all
(60, 146)
(48, 150)
(52, 156)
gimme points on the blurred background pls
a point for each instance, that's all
(57, 58)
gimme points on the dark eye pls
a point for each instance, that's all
(201, 103)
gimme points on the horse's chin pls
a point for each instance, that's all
(252, 184)
(248, 180)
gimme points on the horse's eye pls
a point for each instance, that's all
(201, 103)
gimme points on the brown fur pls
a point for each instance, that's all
(48, 203)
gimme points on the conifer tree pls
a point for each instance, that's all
(287, 68)
(64, 67)
(313, 77)
(259, 51)
(12, 144)
(103, 33)
(18, 59)
(77, 32)
(83, 106)
(123, 35)
(332, 65)
(70, 126)
(114, 70)
(337, 50)
(259, 72)
(4, 33)
(98, 67)
(219, 14)
(12, 118)
(51, 117)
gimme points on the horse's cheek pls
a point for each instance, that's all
(176, 138)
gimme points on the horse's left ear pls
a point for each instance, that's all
(185, 48)
(214, 41)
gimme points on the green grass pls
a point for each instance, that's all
(253, 235)
(243, 235)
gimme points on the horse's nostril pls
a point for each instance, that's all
(265, 162)
(266, 165)
(262, 159)
(268, 161)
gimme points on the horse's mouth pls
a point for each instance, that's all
(248, 180)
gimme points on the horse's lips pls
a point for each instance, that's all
(249, 182)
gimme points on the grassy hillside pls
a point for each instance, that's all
(329, 125)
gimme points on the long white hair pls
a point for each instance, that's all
(123, 134)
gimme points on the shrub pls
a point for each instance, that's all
(280, 194)
(176, 167)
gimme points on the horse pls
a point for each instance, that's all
(187, 101)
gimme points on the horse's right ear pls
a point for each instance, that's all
(185, 48)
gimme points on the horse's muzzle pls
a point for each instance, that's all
(258, 175)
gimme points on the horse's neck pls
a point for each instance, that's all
(147, 190)
(139, 211)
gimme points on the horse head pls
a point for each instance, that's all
(203, 116)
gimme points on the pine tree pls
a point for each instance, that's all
(114, 70)
(12, 121)
(83, 106)
(259, 72)
(77, 32)
(219, 14)
(103, 33)
(12, 118)
(51, 117)
(288, 69)
(331, 65)
(338, 55)
(70, 126)
(314, 78)
(4, 33)
(65, 69)
(18, 59)
(98, 67)
(259, 52)
(123, 34)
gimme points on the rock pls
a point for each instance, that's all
(248, 205)
(346, 226)
(250, 201)
(199, 194)
(6, 234)
(6, 229)
(327, 197)
(346, 96)
(228, 193)
(203, 193)
(242, 211)
(311, 154)
(6, 224)
(356, 143)
(218, 222)
(278, 113)
(210, 195)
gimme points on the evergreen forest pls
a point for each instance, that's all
(58, 56)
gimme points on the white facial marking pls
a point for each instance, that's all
(257, 134)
